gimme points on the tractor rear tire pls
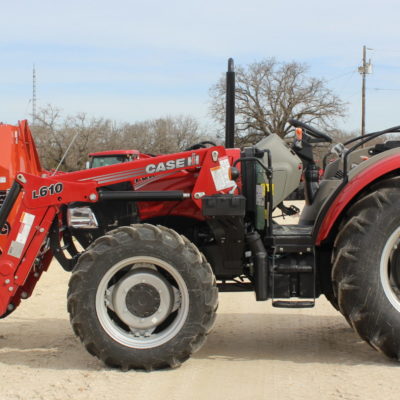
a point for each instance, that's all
(142, 297)
(366, 269)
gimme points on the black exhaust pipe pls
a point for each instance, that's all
(230, 106)
(261, 277)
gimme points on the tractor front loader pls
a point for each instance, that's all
(144, 294)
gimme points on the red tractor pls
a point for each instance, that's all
(111, 157)
(145, 295)
(108, 214)
(18, 153)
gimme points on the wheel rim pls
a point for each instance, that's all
(142, 302)
(389, 269)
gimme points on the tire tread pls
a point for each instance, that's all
(199, 269)
(355, 283)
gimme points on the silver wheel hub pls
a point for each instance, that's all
(142, 302)
(143, 299)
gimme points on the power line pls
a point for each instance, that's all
(341, 75)
(347, 98)
(394, 90)
(346, 81)
(387, 51)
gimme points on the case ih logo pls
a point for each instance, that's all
(173, 164)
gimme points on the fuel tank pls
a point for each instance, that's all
(286, 165)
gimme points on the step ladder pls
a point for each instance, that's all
(292, 239)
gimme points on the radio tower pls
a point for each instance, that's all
(34, 95)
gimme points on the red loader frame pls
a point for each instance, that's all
(37, 200)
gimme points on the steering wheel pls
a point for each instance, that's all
(200, 145)
(310, 130)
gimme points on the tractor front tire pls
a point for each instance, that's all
(142, 297)
(366, 268)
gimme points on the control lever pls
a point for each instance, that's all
(289, 211)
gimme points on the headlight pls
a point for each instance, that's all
(81, 218)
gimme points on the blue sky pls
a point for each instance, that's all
(133, 60)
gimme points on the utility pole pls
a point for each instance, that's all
(34, 95)
(365, 69)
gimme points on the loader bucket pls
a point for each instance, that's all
(17, 154)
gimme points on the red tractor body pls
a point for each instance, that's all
(161, 234)
(174, 179)
(377, 170)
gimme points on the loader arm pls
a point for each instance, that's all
(39, 199)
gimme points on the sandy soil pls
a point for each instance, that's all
(254, 352)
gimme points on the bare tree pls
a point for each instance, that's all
(163, 135)
(49, 141)
(53, 134)
(268, 93)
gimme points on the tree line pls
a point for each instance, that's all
(53, 134)
(268, 92)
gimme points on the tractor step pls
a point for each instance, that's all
(293, 269)
(293, 304)
(292, 275)
(292, 239)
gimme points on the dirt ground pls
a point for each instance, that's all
(254, 352)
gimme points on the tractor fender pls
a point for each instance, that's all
(359, 179)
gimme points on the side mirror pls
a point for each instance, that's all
(87, 164)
